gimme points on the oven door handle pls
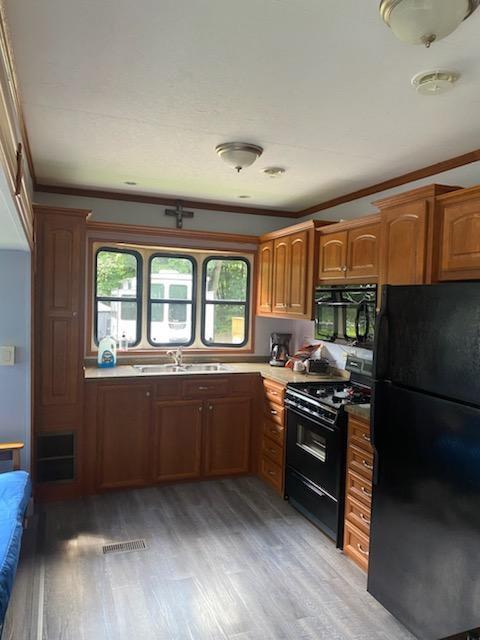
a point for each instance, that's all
(313, 487)
(293, 408)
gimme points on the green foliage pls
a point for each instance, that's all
(180, 265)
(112, 270)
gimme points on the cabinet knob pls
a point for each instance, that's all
(200, 408)
(365, 519)
(74, 314)
(367, 465)
(344, 268)
(362, 550)
(147, 393)
(210, 407)
(203, 388)
(273, 412)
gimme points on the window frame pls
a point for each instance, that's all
(193, 301)
(138, 299)
(205, 302)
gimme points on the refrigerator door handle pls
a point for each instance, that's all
(379, 416)
(381, 343)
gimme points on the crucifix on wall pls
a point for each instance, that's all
(179, 213)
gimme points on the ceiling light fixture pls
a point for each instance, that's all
(425, 21)
(432, 83)
(130, 182)
(243, 197)
(239, 155)
(273, 172)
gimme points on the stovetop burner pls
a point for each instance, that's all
(334, 395)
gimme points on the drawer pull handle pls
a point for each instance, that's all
(367, 493)
(273, 412)
(203, 388)
(366, 437)
(275, 431)
(274, 393)
(272, 450)
(367, 465)
(365, 519)
(362, 550)
(271, 473)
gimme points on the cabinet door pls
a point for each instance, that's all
(333, 256)
(297, 274)
(178, 440)
(265, 275)
(280, 275)
(460, 242)
(124, 435)
(227, 438)
(59, 305)
(404, 241)
(363, 249)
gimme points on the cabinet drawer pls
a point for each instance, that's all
(206, 387)
(272, 473)
(274, 390)
(359, 488)
(168, 389)
(357, 514)
(356, 546)
(275, 413)
(274, 431)
(272, 450)
(359, 434)
(360, 461)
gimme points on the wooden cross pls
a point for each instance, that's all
(179, 213)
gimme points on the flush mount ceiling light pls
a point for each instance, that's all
(130, 182)
(239, 155)
(433, 83)
(273, 172)
(424, 21)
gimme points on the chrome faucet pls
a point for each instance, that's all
(177, 355)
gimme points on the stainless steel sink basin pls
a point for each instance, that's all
(205, 367)
(158, 368)
(186, 368)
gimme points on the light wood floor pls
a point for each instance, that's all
(226, 560)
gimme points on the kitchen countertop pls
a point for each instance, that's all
(278, 374)
(361, 411)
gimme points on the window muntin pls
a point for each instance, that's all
(225, 301)
(118, 295)
(171, 301)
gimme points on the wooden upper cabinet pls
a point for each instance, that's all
(265, 275)
(124, 435)
(404, 244)
(178, 440)
(460, 235)
(59, 288)
(297, 273)
(227, 437)
(363, 251)
(280, 275)
(333, 255)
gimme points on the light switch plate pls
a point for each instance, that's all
(7, 356)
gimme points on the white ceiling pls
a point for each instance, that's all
(116, 90)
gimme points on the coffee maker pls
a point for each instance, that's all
(279, 349)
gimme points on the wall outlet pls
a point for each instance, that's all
(7, 356)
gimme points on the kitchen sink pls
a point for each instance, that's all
(185, 368)
(205, 367)
(158, 368)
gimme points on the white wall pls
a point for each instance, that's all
(15, 308)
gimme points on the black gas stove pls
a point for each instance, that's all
(316, 444)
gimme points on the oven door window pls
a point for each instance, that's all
(311, 442)
(326, 322)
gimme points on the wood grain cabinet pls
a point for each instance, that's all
(178, 440)
(58, 325)
(272, 450)
(265, 275)
(358, 497)
(285, 272)
(124, 435)
(350, 251)
(460, 235)
(227, 436)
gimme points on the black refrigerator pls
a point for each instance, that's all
(424, 564)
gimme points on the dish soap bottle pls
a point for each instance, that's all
(107, 352)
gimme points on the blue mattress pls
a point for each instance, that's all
(15, 492)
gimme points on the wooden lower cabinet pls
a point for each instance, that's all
(124, 435)
(227, 436)
(178, 440)
(358, 497)
(135, 435)
(272, 450)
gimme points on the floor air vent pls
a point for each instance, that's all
(125, 547)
